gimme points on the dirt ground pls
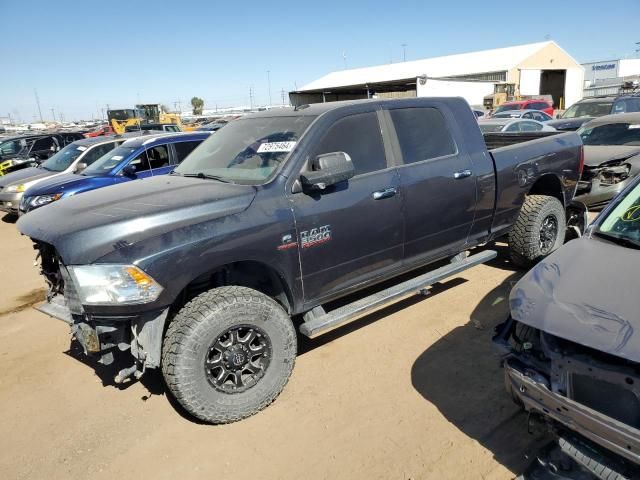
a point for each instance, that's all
(412, 392)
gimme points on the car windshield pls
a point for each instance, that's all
(622, 224)
(109, 161)
(491, 127)
(588, 109)
(611, 134)
(508, 114)
(247, 150)
(64, 158)
(507, 106)
(12, 147)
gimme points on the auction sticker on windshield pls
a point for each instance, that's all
(276, 147)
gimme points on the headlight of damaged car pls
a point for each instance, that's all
(40, 200)
(114, 285)
(15, 188)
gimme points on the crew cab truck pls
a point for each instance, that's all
(206, 272)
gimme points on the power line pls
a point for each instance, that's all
(35, 91)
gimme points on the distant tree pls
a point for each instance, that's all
(197, 104)
(164, 108)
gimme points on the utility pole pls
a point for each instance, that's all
(282, 92)
(344, 59)
(404, 52)
(269, 84)
(53, 114)
(250, 98)
(38, 103)
(61, 116)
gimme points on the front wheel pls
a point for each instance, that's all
(538, 231)
(228, 354)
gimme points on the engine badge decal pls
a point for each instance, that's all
(315, 236)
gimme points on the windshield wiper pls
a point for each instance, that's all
(619, 239)
(205, 175)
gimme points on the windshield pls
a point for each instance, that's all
(109, 161)
(611, 134)
(246, 150)
(623, 222)
(508, 106)
(588, 109)
(64, 158)
(12, 147)
(491, 127)
(508, 114)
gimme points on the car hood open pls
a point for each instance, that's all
(587, 293)
(596, 155)
(89, 226)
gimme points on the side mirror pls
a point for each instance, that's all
(328, 169)
(129, 170)
(557, 115)
(80, 167)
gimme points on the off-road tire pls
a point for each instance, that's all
(198, 324)
(524, 237)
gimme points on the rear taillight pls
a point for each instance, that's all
(581, 163)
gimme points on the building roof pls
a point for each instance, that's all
(496, 60)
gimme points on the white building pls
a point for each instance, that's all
(532, 69)
(608, 76)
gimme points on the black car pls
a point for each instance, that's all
(572, 343)
(591, 107)
(23, 151)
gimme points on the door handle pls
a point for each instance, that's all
(462, 174)
(386, 193)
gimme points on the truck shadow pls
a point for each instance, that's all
(460, 374)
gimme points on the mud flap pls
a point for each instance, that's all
(146, 341)
(577, 220)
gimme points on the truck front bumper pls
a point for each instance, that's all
(104, 336)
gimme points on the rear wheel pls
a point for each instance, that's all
(228, 354)
(538, 231)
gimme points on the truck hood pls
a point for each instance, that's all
(24, 176)
(586, 292)
(568, 123)
(96, 223)
(596, 155)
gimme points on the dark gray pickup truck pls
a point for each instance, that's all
(206, 272)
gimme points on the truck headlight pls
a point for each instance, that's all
(113, 285)
(15, 188)
(40, 200)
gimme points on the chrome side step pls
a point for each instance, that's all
(316, 325)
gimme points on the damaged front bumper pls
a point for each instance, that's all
(598, 185)
(102, 337)
(573, 388)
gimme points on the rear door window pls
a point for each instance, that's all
(96, 152)
(183, 149)
(530, 127)
(423, 134)
(359, 137)
(158, 156)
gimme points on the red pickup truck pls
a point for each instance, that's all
(541, 105)
(99, 131)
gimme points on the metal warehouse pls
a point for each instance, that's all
(526, 70)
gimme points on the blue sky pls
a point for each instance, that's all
(81, 56)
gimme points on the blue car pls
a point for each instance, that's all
(135, 159)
